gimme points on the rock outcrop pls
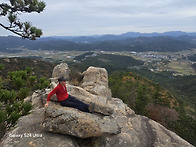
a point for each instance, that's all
(95, 81)
(111, 123)
(61, 70)
(77, 123)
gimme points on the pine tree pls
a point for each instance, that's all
(14, 8)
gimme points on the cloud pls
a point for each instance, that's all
(75, 17)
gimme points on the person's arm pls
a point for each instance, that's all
(50, 94)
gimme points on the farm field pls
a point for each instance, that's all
(183, 67)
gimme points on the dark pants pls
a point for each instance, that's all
(75, 103)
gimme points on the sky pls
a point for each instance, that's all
(97, 17)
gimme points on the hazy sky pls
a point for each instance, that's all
(92, 17)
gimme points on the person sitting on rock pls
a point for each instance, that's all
(65, 99)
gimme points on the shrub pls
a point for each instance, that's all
(1, 66)
(15, 111)
(13, 118)
(26, 107)
(23, 93)
(16, 107)
(8, 109)
(8, 97)
(13, 105)
(32, 80)
(18, 82)
(20, 73)
(28, 70)
(42, 83)
(0, 82)
(2, 114)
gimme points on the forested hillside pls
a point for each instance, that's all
(40, 68)
(149, 99)
(183, 87)
(109, 61)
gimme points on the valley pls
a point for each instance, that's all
(176, 62)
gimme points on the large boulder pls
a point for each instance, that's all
(142, 132)
(61, 70)
(95, 81)
(73, 122)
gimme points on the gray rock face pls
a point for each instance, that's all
(28, 133)
(95, 81)
(61, 70)
(142, 132)
(76, 123)
(36, 99)
(111, 123)
(84, 95)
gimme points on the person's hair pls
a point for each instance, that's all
(61, 79)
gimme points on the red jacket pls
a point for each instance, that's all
(61, 93)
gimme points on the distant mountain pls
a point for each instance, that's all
(131, 41)
(94, 38)
(171, 34)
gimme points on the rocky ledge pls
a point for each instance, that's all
(110, 124)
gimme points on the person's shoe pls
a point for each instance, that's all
(91, 107)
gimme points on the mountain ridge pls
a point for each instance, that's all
(117, 36)
(131, 34)
(131, 41)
